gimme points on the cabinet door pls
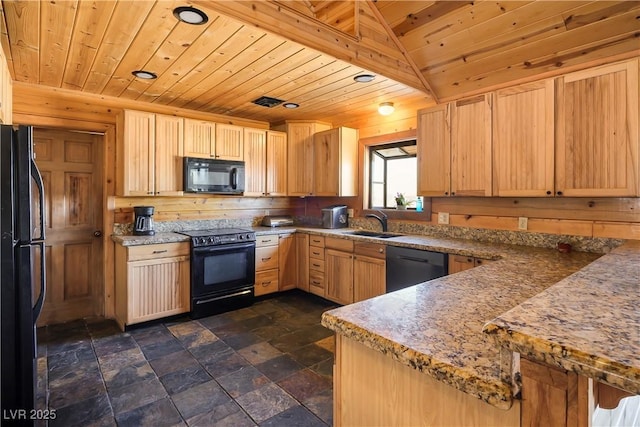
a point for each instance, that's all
(276, 163)
(199, 138)
(326, 162)
(169, 149)
(300, 159)
(339, 276)
(302, 270)
(157, 288)
(523, 140)
(229, 141)
(434, 151)
(597, 132)
(255, 153)
(136, 153)
(287, 262)
(471, 147)
(458, 263)
(369, 277)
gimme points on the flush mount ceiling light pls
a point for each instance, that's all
(364, 78)
(290, 105)
(142, 74)
(386, 108)
(190, 15)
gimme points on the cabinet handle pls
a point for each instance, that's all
(264, 241)
(446, 193)
(469, 260)
(559, 193)
(266, 283)
(479, 261)
(548, 192)
(316, 253)
(316, 265)
(159, 252)
(212, 155)
(315, 282)
(266, 259)
(453, 193)
(149, 192)
(381, 250)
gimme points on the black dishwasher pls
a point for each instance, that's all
(408, 267)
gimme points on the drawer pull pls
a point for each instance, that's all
(265, 241)
(316, 253)
(315, 282)
(266, 259)
(159, 252)
(316, 265)
(266, 283)
(316, 241)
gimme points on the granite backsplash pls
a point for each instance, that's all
(542, 240)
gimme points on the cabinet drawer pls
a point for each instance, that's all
(316, 282)
(316, 264)
(316, 241)
(316, 253)
(162, 250)
(373, 250)
(266, 258)
(343, 245)
(266, 282)
(266, 240)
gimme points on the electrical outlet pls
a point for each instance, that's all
(266, 212)
(443, 217)
(350, 213)
(523, 223)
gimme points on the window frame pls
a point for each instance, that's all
(377, 147)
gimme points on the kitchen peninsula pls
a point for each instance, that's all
(419, 356)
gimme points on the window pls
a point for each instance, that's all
(393, 169)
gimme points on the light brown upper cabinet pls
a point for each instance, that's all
(454, 148)
(335, 162)
(523, 133)
(149, 154)
(471, 146)
(265, 154)
(597, 132)
(434, 151)
(300, 155)
(205, 139)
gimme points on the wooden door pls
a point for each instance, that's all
(229, 140)
(287, 262)
(471, 147)
(369, 277)
(523, 140)
(300, 156)
(134, 155)
(339, 276)
(169, 150)
(199, 138)
(597, 132)
(276, 163)
(326, 163)
(255, 154)
(434, 151)
(71, 165)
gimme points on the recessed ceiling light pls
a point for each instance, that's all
(190, 15)
(290, 105)
(386, 108)
(142, 74)
(364, 78)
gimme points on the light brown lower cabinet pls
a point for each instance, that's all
(302, 270)
(287, 262)
(152, 281)
(458, 263)
(339, 276)
(267, 262)
(316, 265)
(369, 270)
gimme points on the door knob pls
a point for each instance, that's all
(97, 233)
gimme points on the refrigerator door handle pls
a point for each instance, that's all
(35, 174)
(37, 308)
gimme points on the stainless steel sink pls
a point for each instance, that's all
(378, 234)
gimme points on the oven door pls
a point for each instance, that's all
(219, 270)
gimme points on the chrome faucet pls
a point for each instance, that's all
(382, 218)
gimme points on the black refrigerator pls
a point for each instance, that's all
(22, 254)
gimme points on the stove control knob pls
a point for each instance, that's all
(211, 239)
(248, 236)
(240, 236)
(202, 240)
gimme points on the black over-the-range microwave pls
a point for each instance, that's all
(213, 176)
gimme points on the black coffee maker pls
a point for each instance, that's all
(143, 223)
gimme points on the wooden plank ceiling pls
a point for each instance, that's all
(308, 52)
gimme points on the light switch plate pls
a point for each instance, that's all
(523, 223)
(443, 217)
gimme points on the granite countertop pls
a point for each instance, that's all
(436, 327)
(158, 238)
(588, 323)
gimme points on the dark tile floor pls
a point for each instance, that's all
(269, 364)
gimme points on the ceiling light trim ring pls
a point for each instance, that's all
(364, 78)
(190, 15)
(144, 74)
